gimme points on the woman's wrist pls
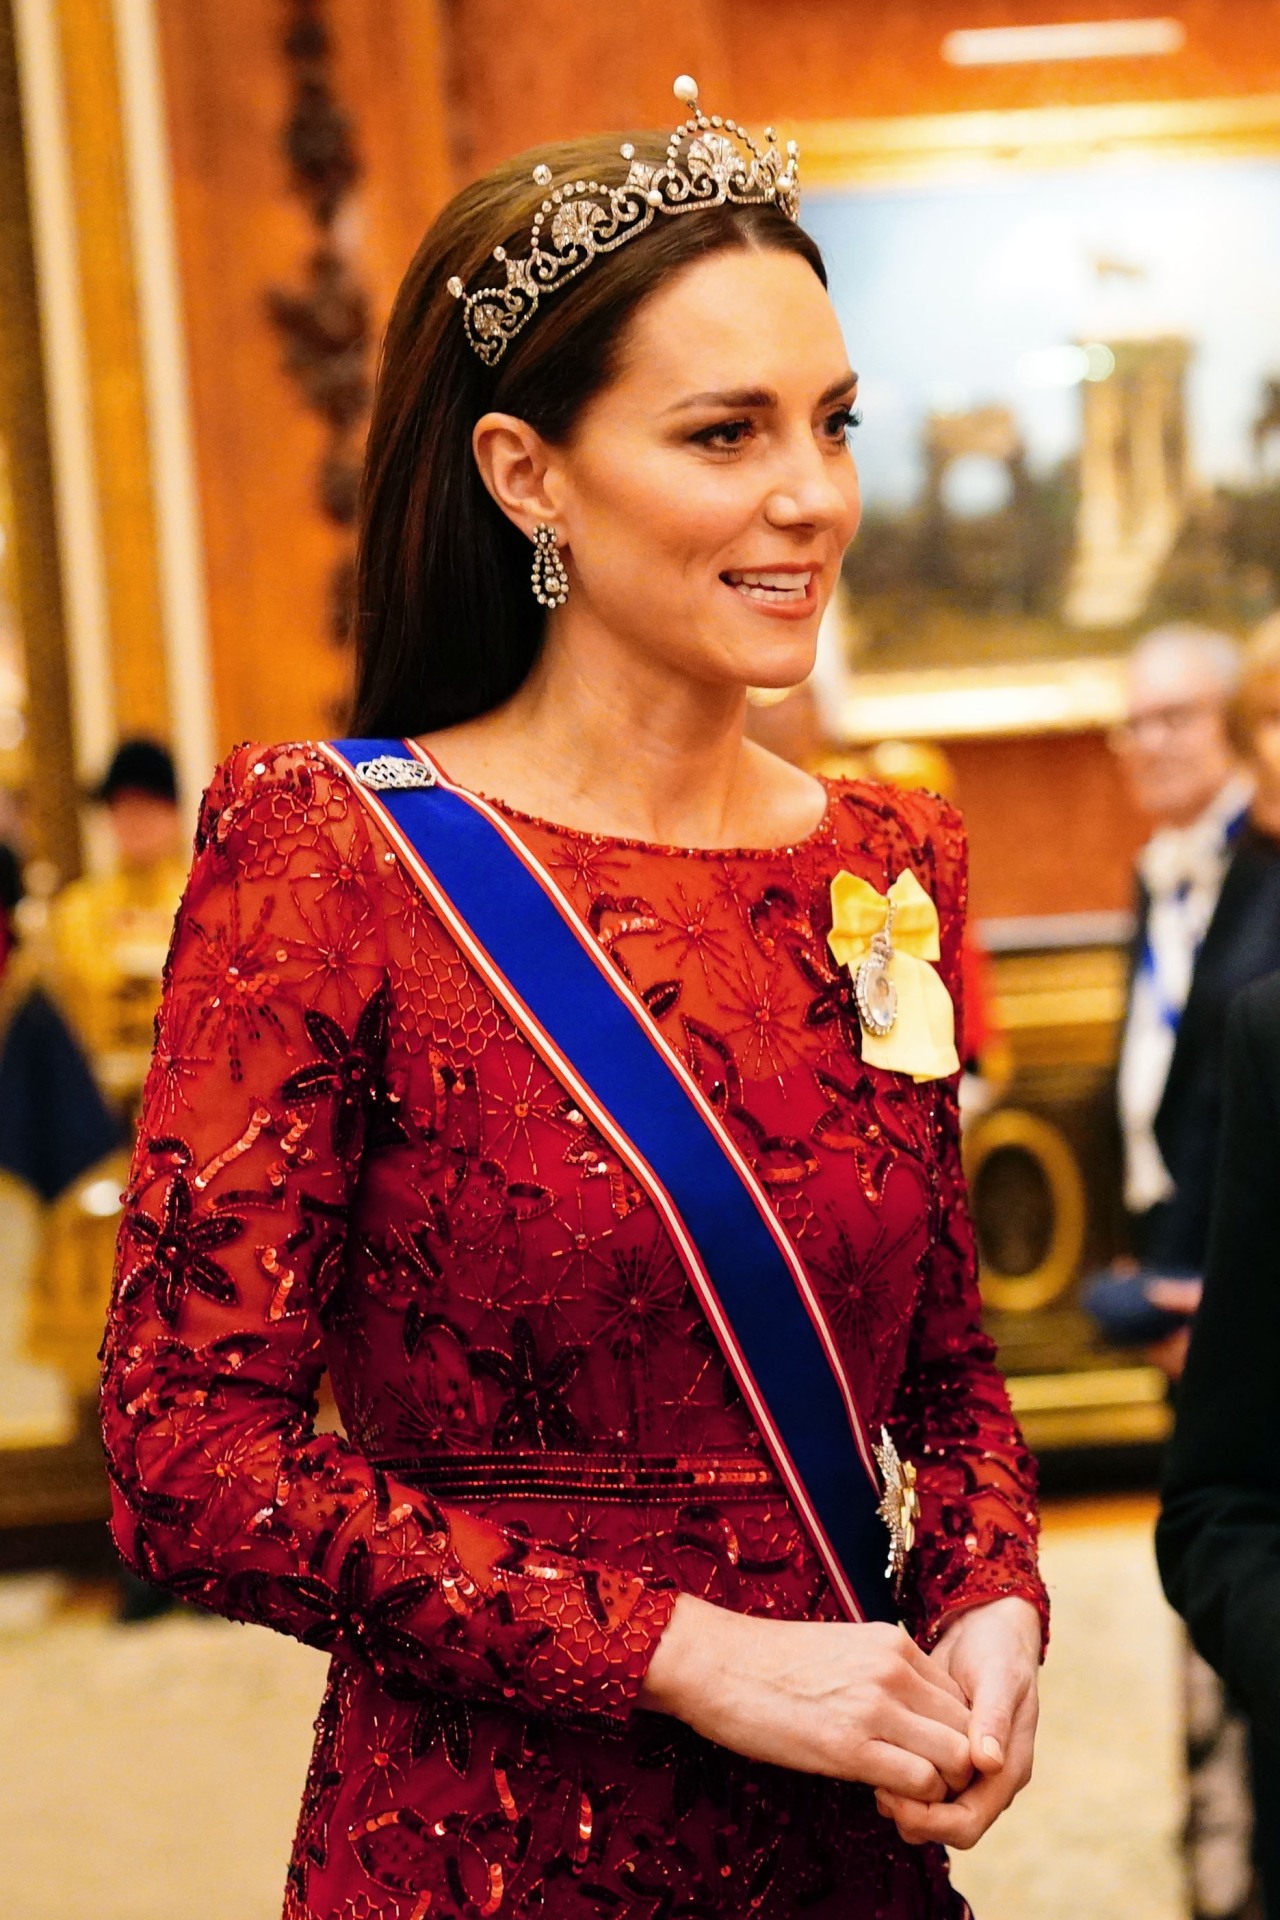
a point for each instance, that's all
(1021, 1615)
(676, 1674)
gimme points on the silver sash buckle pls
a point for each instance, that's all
(389, 774)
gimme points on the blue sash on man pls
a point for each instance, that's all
(598, 1038)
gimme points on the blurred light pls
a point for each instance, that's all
(13, 729)
(101, 1198)
(1064, 696)
(1066, 366)
(975, 485)
(1073, 40)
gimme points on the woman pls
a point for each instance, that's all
(597, 1556)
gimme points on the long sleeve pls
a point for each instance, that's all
(976, 1479)
(268, 1097)
(1218, 1540)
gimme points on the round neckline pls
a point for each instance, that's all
(817, 832)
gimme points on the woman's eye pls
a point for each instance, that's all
(726, 433)
(841, 423)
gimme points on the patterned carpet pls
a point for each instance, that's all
(1094, 1833)
(154, 1772)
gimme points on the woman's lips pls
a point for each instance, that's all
(782, 590)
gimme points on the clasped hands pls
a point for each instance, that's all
(945, 1738)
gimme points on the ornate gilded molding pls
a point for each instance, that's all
(909, 148)
(1050, 1159)
(325, 320)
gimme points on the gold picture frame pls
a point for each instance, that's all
(979, 697)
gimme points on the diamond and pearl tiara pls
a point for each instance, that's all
(583, 218)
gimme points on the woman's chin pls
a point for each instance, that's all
(772, 672)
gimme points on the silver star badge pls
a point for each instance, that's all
(899, 1507)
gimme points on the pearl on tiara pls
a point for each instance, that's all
(708, 162)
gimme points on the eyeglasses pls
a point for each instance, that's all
(1171, 721)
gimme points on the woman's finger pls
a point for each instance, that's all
(963, 1821)
(996, 1697)
(931, 1669)
(946, 1749)
(902, 1774)
(920, 1695)
(950, 1823)
(1006, 1723)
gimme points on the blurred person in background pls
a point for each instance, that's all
(1218, 945)
(1180, 759)
(108, 934)
(57, 1136)
(110, 931)
(1217, 935)
(10, 901)
(54, 1123)
(1218, 1539)
(562, 1555)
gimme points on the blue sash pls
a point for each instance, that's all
(569, 1001)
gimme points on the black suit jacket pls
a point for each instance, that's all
(1218, 1540)
(1241, 944)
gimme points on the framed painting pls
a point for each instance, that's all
(1067, 324)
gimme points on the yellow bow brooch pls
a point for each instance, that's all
(889, 942)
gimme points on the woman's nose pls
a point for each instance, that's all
(812, 489)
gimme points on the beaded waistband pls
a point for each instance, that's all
(586, 1476)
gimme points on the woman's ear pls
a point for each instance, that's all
(514, 459)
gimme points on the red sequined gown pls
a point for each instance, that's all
(349, 1160)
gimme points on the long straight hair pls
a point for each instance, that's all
(446, 624)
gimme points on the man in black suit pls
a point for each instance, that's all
(1218, 1540)
(1183, 770)
(1208, 918)
(1241, 944)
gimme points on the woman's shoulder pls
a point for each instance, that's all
(904, 827)
(255, 764)
(285, 789)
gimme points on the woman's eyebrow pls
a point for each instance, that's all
(757, 398)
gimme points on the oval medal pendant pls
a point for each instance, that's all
(875, 993)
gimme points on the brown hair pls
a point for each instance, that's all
(1259, 675)
(446, 625)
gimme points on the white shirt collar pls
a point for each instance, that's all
(1193, 855)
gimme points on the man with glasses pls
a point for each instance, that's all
(1177, 753)
(1188, 958)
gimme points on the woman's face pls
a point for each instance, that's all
(706, 496)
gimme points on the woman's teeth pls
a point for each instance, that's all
(770, 586)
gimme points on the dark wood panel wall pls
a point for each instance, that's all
(540, 70)
(1051, 826)
(241, 232)
(440, 89)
